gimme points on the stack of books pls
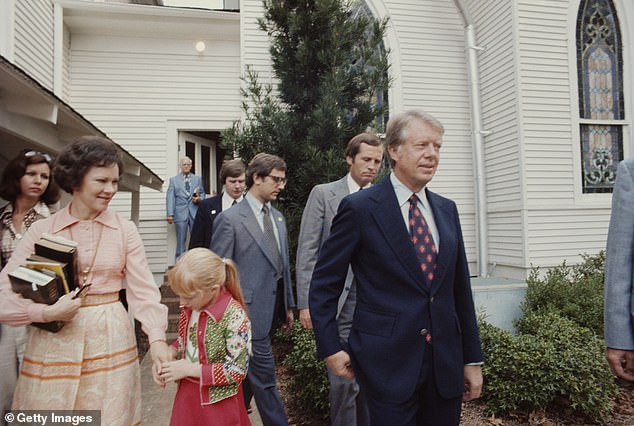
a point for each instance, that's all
(48, 274)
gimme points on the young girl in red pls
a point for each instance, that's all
(213, 345)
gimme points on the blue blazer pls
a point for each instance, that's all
(201, 232)
(394, 307)
(179, 204)
(237, 235)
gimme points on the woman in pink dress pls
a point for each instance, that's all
(213, 344)
(92, 362)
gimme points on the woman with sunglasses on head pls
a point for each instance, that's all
(92, 362)
(29, 192)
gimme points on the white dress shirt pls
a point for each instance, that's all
(256, 206)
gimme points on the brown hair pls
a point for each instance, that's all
(355, 143)
(231, 168)
(201, 269)
(80, 156)
(262, 165)
(13, 172)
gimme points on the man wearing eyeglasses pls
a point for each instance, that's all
(253, 234)
(184, 192)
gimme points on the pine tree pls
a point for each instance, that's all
(330, 67)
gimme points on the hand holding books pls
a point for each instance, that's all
(63, 310)
(46, 277)
(196, 195)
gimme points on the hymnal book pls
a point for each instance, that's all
(41, 286)
(61, 269)
(61, 250)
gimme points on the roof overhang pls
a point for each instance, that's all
(119, 19)
(32, 116)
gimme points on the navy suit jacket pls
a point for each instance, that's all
(201, 232)
(394, 305)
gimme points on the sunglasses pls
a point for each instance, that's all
(44, 155)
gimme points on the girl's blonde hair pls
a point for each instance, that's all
(201, 269)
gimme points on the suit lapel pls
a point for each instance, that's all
(443, 216)
(337, 193)
(215, 206)
(252, 227)
(387, 214)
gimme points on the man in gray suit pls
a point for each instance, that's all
(364, 154)
(619, 277)
(253, 234)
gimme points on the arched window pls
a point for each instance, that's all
(601, 111)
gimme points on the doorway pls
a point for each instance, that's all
(202, 151)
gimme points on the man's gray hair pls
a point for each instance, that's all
(398, 125)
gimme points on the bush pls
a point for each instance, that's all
(307, 383)
(557, 355)
(552, 359)
(573, 292)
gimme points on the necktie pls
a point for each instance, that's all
(269, 237)
(187, 185)
(422, 240)
(234, 202)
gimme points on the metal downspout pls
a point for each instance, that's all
(478, 138)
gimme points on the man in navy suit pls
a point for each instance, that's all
(414, 345)
(184, 192)
(253, 234)
(232, 176)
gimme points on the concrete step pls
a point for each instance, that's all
(172, 323)
(172, 303)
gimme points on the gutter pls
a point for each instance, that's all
(478, 137)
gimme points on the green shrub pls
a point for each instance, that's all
(574, 292)
(551, 359)
(307, 383)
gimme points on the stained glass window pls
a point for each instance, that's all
(600, 73)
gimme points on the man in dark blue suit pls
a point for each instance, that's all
(232, 176)
(414, 345)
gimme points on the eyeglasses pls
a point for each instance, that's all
(279, 179)
(46, 157)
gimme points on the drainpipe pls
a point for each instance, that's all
(478, 137)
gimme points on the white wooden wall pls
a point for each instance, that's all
(494, 24)
(139, 89)
(538, 215)
(33, 39)
(133, 88)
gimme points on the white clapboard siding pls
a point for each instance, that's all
(559, 227)
(433, 76)
(132, 87)
(65, 90)
(33, 43)
(254, 46)
(494, 28)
